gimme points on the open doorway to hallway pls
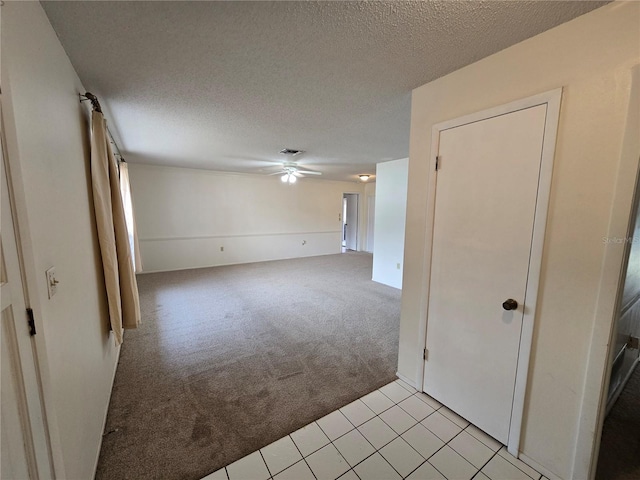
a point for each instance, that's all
(619, 456)
(350, 221)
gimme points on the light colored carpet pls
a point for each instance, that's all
(230, 359)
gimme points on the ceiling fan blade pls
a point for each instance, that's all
(309, 172)
(276, 173)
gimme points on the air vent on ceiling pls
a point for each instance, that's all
(290, 151)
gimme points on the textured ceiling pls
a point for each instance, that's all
(226, 85)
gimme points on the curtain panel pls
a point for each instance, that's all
(119, 275)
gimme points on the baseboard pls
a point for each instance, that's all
(536, 466)
(106, 412)
(406, 380)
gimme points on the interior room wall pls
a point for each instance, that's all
(190, 218)
(369, 237)
(390, 217)
(48, 148)
(591, 58)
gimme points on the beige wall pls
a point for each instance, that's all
(369, 192)
(390, 221)
(185, 216)
(47, 137)
(591, 57)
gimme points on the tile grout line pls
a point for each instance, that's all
(304, 459)
(352, 468)
(485, 464)
(331, 441)
(520, 468)
(265, 463)
(444, 445)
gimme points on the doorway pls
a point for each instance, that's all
(619, 445)
(492, 184)
(350, 221)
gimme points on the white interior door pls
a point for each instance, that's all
(483, 226)
(24, 447)
(351, 225)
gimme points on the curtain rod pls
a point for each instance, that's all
(95, 103)
(93, 99)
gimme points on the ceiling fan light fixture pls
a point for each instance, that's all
(288, 177)
(364, 177)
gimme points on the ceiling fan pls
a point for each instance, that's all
(291, 172)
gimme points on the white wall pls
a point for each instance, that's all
(591, 57)
(48, 151)
(369, 238)
(185, 216)
(390, 217)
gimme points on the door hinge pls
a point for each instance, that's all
(437, 162)
(31, 322)
(633, 342)
(425, 354)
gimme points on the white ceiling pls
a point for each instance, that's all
(226, 85)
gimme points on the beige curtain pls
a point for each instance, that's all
(127, 200)
(119, 277)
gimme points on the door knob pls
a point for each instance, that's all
(510, 304)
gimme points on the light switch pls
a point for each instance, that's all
(52, 282)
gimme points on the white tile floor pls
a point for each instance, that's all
(392, 433)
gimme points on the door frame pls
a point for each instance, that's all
(598, 371)
(29, 277)
(357, 195)
(552, 99)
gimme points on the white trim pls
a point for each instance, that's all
(535, 264)
(359, 224)
(243, 235)
(407, 381)
(30, 281)
(428, 241)
(552, 100)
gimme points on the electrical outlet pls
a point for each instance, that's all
(304, 242)
(52, 283)
(398, 266)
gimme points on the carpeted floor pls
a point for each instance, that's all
(230, 359)
(620, 445)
